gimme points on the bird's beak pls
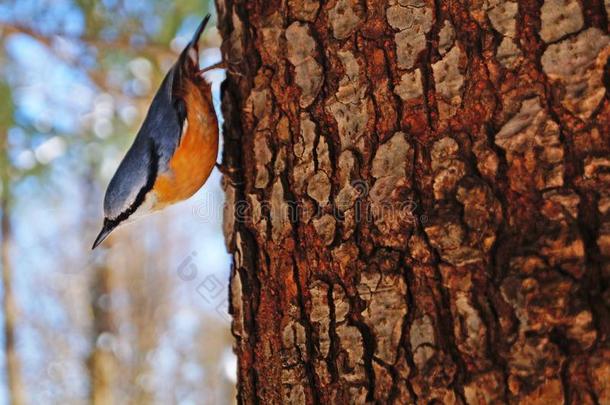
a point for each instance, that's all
(106, 229)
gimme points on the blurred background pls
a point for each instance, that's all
(144, 319)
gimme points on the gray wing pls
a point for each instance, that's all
(165, 118)
(150, 153)
(132, 180)
(163, 122)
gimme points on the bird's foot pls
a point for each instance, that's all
(229, 173)
(219, 65)
(226, 170)
(224, 64)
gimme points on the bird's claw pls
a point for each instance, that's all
(226, 170)
(228, 173)
(224, 64)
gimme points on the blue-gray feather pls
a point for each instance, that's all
(159, 134)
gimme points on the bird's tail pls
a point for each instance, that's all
(191, 52)
(199, 31)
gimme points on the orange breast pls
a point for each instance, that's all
(195, 157)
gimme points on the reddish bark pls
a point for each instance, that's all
(420, 209)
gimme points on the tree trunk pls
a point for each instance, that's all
(102, 364)
(13, 369)
(420, 204)
(16, 392)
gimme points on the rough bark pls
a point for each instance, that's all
(420, 205)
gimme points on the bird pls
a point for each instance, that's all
(175, 149)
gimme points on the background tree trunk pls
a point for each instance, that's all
(16, 393)
(102, 364)
(13, 370)
(420, 209)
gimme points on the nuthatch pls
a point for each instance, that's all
(175, 149)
